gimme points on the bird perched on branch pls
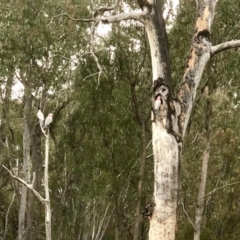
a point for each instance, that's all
(40, 117)
(48, 120)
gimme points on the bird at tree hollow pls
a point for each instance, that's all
(157, 103)
(40, 116)
(48, 120)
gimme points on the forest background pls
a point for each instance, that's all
(100, 152)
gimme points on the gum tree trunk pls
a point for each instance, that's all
(170, 120)
(47, 205)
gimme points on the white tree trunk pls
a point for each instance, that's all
(166, 159)
(47, 198)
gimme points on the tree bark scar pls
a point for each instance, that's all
(143, 3)
(202, 21)
(166, 110)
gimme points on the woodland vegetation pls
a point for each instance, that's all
(99, 89)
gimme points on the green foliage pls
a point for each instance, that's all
(97, 130)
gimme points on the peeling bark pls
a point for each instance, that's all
(200, 54)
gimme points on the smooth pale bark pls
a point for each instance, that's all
(26, 164)
(46, 190)
(166, 157)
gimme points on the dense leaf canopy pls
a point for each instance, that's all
(97, 136)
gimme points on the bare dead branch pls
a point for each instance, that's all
(224, 46)
(187, 214)
(215, 189)
(105, 9)
(28, 186)
(74, 19)
(91, 75)
(138, 16)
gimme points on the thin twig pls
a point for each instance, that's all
(105, 9)
(91, 75)
(74, 19)
(93, 27)
(28, 186)
(187, 214)
(7, 215)
(148, 144)
(215, 189)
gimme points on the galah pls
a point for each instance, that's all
(157, 104)
(40, 116)
(48, 120)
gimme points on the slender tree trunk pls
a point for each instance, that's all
(26, 164)
(4, 117)
(47, 197)
(140, 185)
(202, 185)
(201, 193)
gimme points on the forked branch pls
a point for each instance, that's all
(27, 185)
(224, 46)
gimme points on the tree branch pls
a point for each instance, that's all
(105, 9)
(215, 189)
(28, 186)
(138, 16)
(187, 215)
(224, 46)
(93, 27)
(74, 19)
(199, 56)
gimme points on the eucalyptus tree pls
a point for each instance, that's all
(170, 120)
(32, 55)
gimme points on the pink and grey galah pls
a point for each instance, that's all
(40, 116)
(48, 119)
(157, 104)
